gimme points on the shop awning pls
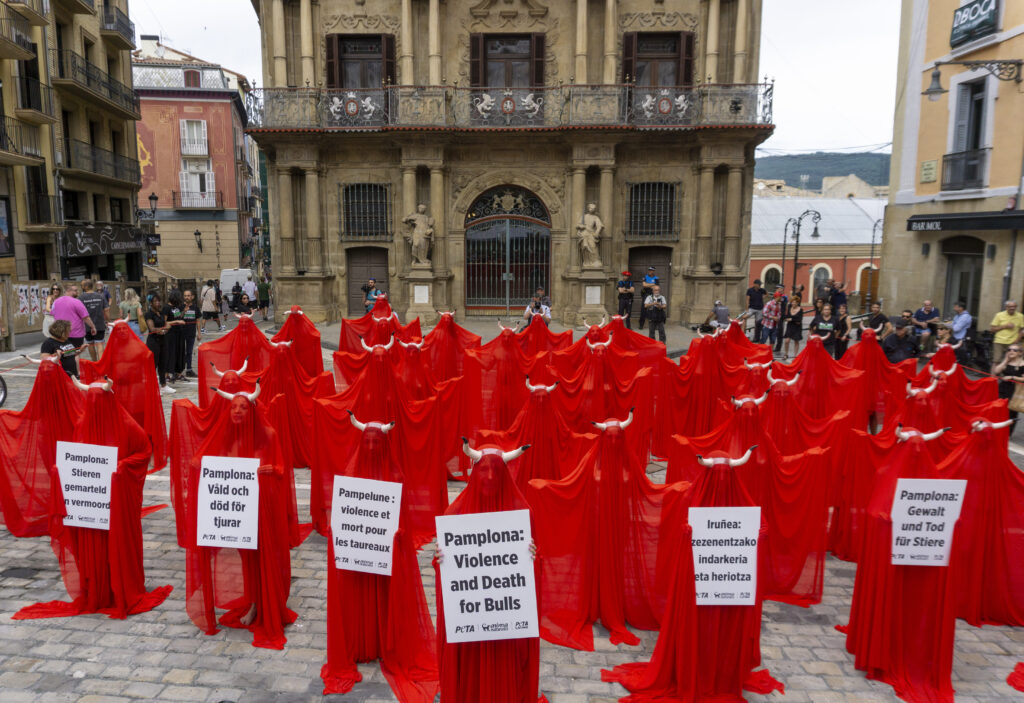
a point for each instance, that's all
(963, 221)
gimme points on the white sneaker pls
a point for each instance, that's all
(222, 328)
(166, 390)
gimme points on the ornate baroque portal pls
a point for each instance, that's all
(508, 247)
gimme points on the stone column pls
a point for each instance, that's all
(277, 47)
(306, 41)
(405, 66)
(606, 208)
(711, 53)
(611, 21)
(733, 217)
(314, 235)
(579, 188)
(287, 227)
(434, 42)
(705, 214)
(739, 66)
(437, 211)
(581, 42)
(402, 257)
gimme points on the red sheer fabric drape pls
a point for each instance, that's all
(291, 391)
(494, 382)
(128, 362)
(538, 338)
(884, 383)
(1016, 677)
(825, 385)
(446, 345)
(102, 569)
(377, 327)
(244, 345)
(305, 338)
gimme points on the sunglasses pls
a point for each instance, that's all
(1015, 349)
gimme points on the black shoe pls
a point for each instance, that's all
(191, 374)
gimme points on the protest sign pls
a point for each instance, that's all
(924, 513)
(85, 472)
(487, 579)
(725, 554)
(364, 519)
(229, 502)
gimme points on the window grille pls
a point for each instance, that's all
(653, 210)
(366, 211)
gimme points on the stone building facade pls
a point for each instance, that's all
(506, 120)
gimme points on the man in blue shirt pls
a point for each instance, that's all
(372, 291)
(650, 280)
(925, 320)
(625, 289)
(960, 326)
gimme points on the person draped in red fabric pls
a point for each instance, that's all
(102, 569)
(972, 392)
(414, 371)
(708, 652)
(903, 618)
(370, 616)
(299, 329)
(990, 540)
(128, 362)
(245, 344)
(251, 584)
(497, 671)
(599, 534)
(825, 384)
(377, 327)
(937, 406)
(446, 345)
(538, 337)
(28, 441)
(883, 380)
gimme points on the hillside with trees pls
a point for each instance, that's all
(871, 167)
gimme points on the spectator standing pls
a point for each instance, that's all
(57, 344)
(96, 304)
(719, 315)
(190, 330)
(656, 307)
(263, 296)
(1010, 372)
(647, 289)
(537, 307)
(174, 338)
(131, 310)
(68, 307)
(959, 328)
(372, 292)
(926, 320)
(780, 328)
(222, 315)
(842, 330)
(824, 325)
(794, 332)
(249, 287)
(157, 328)
(1007, 325)
(901, 344)
(208, 305)
(51, 298)
(755, 307)
(545, 299)
(770, 322)
(102, 289)
(878, 321)
(236, 296)
(838, 296)
(626, 289)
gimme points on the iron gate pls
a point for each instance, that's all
(508, 248)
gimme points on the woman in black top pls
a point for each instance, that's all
(157, 327)
(824, 325)
(1010, 372)
(842, 332)
(794, 319)
(175, 340)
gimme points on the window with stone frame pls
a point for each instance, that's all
(653, 210)
(366, 211)
(658, 59)
(359, 61)
(506, 60)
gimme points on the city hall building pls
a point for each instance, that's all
(549, 144)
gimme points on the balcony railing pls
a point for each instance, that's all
(18, 138)
(15, 28)
(194, 147)
(35, 11)
(70, 66)
(86, 157)
(197, 200)
(964, 169)
(114, 20)
(444, 107)
(42, 209)
(33, 95)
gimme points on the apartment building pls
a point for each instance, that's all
(464, 153)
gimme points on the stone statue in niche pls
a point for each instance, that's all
(588, 232)
(421, 231)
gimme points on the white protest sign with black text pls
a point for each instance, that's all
(725, 554)
(487, 578)
(364, 519)
(85, 472)
(924, 513)
(229, 502)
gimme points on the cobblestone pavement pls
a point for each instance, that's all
(160, 655)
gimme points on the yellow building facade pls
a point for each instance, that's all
(506, 120)
(954, 214)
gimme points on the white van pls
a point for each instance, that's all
(228, 278)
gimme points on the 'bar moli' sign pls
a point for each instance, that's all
(973, 20)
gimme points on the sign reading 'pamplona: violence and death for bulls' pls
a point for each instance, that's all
(364, 519)
(487, 580)
(229, 500)
(86, 472)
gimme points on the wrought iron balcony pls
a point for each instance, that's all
(19, 143)
(117, 28)
(194, 147)
(101, 162)
(34, 11)
(78, 7)
(196, 200)
(35, 101)
(15, 35)
(75, 73)
(964, 169)
(457, 108)
(42, 210)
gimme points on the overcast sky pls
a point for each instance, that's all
(833, 61)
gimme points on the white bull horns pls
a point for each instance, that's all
(767, 364)
(979, 425)
(623, 424)
(911, 391)
(385, 346)
(512, 329)
(749, 399)
(904, 436)
(219, 373)
(297, 312)
(772, 381)
(106, 385)
(231, 396)
(595, 345)
(530, 387)
(406, 345)
(943, 372)
(42, 358)
(731, 462)
(286, 343)
(474, 454)
(514, 454)
(361, 426)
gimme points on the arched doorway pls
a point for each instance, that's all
(508, 248)
(362, 264)
(965, 264)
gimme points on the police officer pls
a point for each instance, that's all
(625, 288)
(650, 280)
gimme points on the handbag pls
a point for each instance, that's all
(1017, 400)
(47, 321)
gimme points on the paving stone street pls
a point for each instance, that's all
(162, 656)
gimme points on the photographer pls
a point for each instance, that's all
(655, 306)
(650, 280)
(372, 291)
(537, 307)
(626, 289)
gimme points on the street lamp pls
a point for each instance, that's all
(1008, 70)
(148, 214)
(875, 228)
(796, 222)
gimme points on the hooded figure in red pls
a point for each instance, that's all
(298, 328)
(414, 371)
(929, 408)
(102, 569)
(977, 392)
(990, 539)
(128, 362)
(825, 385)
(28, 441)
(598, 532)
(499, 671)
(370, 616)
(705, 653)
(246, 344)
(377, 327)
(446, 345)
(538, 337)
(883, 381)
(251, 584)
(903, 618)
